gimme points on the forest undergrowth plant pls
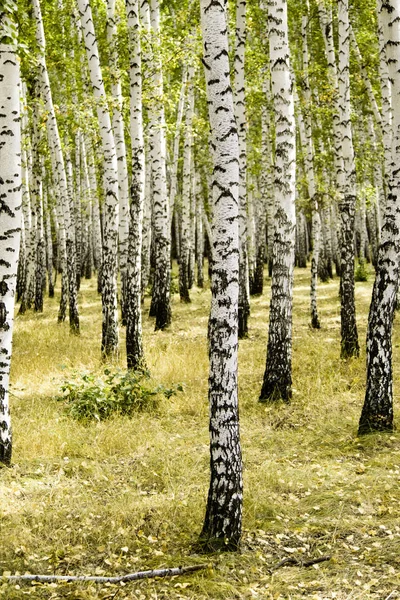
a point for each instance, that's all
(91, 396)
(361, 272)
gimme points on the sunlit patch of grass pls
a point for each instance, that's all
(129, 494)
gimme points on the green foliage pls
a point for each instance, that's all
(90, 397)
(361, 272)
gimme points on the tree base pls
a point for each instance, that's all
(211, 545)
(274, 392)
(315, 324)
(5, 453)
(375, 424)
(350, 349)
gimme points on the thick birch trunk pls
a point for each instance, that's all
(377, 413)
(223, 519)
(10, 226)
(277, 382)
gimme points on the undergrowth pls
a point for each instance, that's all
(91, 396)
(129, 493)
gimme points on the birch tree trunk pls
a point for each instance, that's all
(240, 113)
(223, 519)
(134, 343)
(57, 161)
(49, 244)
(27, 293)
(349, 341)
(161, 307)
(278, 371)
(306, 134)
(185, 246)
(377, 412)
(122, 169)
(199, 233)
(109, 341)
(10, 226)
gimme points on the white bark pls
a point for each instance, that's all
(10, 226)
(57, 162)
(223, 520)
(109, 343)
(119, 137)
(134, 343)
(185, 238)
(278, 371)
(161, 308)
(377, 413)
(349, 336)
(240, 114)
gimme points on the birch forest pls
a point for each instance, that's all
(199, 220)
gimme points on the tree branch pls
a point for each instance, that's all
(290, 560)
(123, 578)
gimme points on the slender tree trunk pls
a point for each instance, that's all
(240, 113)
(161, 307)
(307, 142)
(110, 335)
(57, 161)
(146, 229)
(185, 246)
(49, 244)
(10, 226)
(377, 412)
(223, 519)
(27, 296)
(349, 341)
(278, 371)
(122, 169)
(134, 343)
(199, 233)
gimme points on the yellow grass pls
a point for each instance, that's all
(129, 494)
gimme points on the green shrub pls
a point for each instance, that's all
(90, 397)
(361, 272)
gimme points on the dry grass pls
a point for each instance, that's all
(129, 494)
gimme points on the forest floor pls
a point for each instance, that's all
(128, 494)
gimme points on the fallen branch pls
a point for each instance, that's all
(291, 561)
(95, 579)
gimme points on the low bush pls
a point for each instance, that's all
(88, 396)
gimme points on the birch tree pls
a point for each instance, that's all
(120, 148)
(240, 113)
(349, 341)
(10, 216)
(134, 343)
(58, 168)
(278, 371)
(223, 519)
(377, 412)
(161, 307)
(110, 336)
